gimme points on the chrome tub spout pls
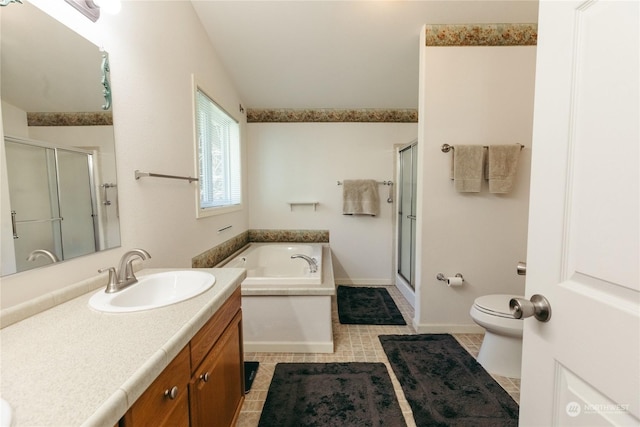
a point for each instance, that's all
(38, 253)
(313, 265)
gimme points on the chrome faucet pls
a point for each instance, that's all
(118, 280)
(313, 265)
(38, 253)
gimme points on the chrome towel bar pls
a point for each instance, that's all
(446, 147)
(389, 183)
(379, 182)
(158, 175)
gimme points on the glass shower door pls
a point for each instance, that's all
(34, 202)
(52, 201)
(76, 203)
(407, 214)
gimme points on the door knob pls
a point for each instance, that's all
(537, 307)
(521, 269)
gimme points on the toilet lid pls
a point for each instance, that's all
(497, 305)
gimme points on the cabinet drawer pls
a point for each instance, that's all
(206, 337)
(154, 407)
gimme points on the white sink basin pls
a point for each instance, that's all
(153, 291)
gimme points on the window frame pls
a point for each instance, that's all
(204, 212)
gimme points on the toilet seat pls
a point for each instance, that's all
(495, 305)
(501, 349)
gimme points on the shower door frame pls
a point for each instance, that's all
(404, 284)
(57, 234)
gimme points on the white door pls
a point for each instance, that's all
(582, 367)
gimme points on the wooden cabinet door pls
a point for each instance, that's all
(159, 405)
(216, 388)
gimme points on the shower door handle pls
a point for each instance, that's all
(411, 216)
(13, 224)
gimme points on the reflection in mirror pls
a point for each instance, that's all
(59, 197)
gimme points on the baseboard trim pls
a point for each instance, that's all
(363, 282)
(448, 329)
(288, 347)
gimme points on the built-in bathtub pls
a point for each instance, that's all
(286, 307)
(270, 264)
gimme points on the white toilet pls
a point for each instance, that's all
(501, 350)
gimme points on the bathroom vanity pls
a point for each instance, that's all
(203, 385)
(178, 365)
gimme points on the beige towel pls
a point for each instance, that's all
(360, 197)
(466, 168)
(502, 165)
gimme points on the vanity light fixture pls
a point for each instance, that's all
(91, 8)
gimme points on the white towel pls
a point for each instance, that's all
(502, 165)
(466, 168)
(360, 197)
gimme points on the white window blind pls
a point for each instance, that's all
(218, 154)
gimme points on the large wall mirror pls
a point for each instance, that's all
(59, 198)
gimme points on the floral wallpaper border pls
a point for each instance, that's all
(294, 236)
(217, 254)
(482, 34)
(329, 115)
(70, 119)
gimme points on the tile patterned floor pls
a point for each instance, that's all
(353, 343)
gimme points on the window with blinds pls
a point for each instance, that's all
(218, 140)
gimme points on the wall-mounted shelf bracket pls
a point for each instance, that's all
(313, 204)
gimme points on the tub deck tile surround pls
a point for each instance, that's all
(289, 236)
(353, 343)
(212, 257)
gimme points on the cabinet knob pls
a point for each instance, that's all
(205, 377)
(171, 393)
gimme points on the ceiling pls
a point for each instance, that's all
(335, 54)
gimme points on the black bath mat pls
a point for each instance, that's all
(367, 306)
(331, 394)
(250, 372)
(444, 385)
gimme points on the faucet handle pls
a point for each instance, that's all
(111, 271)
(111, 286)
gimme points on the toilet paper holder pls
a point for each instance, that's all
(443, 278)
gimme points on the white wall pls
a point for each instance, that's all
(470, 95)
(14, 121)
(303, 162)
(154, 48)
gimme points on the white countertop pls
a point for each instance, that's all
(72, 366)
